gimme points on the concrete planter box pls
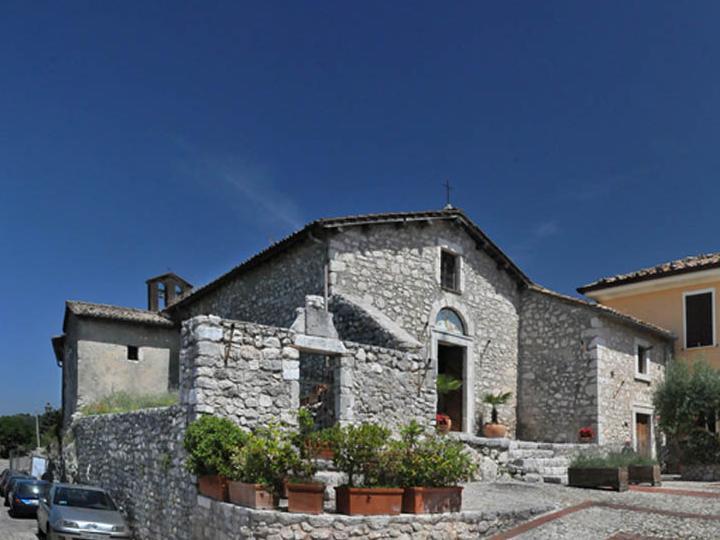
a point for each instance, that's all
(615, 478)
(644, 474)
(305, 498)
(368, 501)
(215, 487)
(251, 495)
(432, 500)
(702, 473)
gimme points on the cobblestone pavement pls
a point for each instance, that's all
(15, 528)
(687, 510)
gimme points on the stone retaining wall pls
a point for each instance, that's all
(139, 458)
(701, 473)
(242, 371)
(213, 520)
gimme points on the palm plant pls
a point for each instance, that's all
(447, 383)
(495, 400)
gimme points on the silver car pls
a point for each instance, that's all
(71, 512)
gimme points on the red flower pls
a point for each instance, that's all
(586, 433)
(441, 419)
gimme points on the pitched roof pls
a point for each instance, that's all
(116, 313)
(318, 226)
(680, 266)
(605, 310)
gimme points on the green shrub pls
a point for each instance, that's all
(266, 458)
(122, 402)
(611, 460)
(210, 442)
(423, 459)
(701, 447)
(359, 451)
(687, 396)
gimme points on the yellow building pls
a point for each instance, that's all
(680, 296)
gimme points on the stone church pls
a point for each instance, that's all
(427, 283)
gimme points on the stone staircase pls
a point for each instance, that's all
(542, 462)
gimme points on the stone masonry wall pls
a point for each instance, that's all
(242, 371)
(269, 293)
(620, 392)
(215, 520)
(557, 387)
(385, 386)
(139, 458)
(397, 270)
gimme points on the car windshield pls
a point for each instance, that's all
(83, 498)
(29, 490)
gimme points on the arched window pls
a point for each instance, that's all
(449, 321)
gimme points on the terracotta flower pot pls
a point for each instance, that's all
(586, 439)
(494, 431)
(252, 496)
(214, 486)
(306, 498)
(432, 500)
(368, 501)
(321, 450)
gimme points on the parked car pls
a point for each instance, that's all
(10, 482)
(25, 496)
(6, 476)
(80, 512)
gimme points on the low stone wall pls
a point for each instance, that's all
(139, 458)
(242, 371)
(386, 386)
(213, 520)
(701, 473)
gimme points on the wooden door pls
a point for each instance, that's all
(643, 435)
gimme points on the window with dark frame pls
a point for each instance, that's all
(698, 320)
(449, 271)
(642, 359)
(133, 352)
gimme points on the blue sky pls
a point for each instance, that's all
(137, 137)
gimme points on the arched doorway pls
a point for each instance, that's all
(454, 378)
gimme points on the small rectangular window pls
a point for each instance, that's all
(699, 323)
(133, 353)
(642, 360)
(449, 271)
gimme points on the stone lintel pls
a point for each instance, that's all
(318, 345)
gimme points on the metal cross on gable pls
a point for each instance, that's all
(448, 189)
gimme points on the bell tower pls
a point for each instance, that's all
(165, 289)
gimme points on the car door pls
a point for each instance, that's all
(43, 510)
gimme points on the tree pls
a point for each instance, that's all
(17, 433)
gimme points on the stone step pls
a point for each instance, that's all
(553, 461)
(530, 453)
(532, 465)
(555, 478)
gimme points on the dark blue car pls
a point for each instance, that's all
(25, 496)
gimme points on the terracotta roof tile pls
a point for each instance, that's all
(688, 264)
(117, 313)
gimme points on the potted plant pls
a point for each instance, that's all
(259, 468)
(445, 384)
(599, 471)
(494, 429)
(586, 434)
(430, 468)
(210, 442)
(371, 484)
(304, 495)
(316, 440)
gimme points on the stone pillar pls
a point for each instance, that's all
(344, 393)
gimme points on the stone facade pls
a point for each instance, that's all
(214, 520)
(577, 369)
(397, 270)
(242, 371)
(139, 458)
(270, 292)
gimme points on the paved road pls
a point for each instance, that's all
(15, 528)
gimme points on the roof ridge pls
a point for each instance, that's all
(115, 306)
